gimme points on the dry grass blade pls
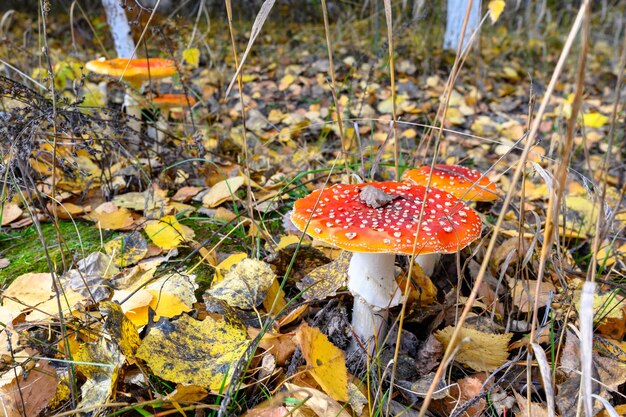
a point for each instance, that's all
(586, 345)
(329, 46)
(544, 369)
(507, 201)
(392, 75)
(259, 21)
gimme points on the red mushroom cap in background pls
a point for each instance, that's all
(340, 216)
(167, 101)
(133, 71)
(464, 183)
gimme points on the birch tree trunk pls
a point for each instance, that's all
(120, 29)
(454, 22)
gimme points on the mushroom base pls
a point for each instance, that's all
(369, 324)
(428, 262)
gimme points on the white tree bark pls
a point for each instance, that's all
(454, 22)
(120, 29)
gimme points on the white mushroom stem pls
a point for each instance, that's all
(371, 280)
(134, 112)
(428, 262)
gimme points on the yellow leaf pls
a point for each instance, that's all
(495, 9)
(110, 217)
(188, 351)
(595, 120)
(123, 332)
(483, 351)
(325, 362)
(167, 233)
(171, 295)
(287, 240)
(127, 249)
(286, 81)
(325, 280)
(222, 191)
(192, 56)
(245, 285)
(224, 266)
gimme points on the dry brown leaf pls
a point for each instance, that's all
(29, 396)
(523, 293)
(10, 212)
(482, 351)
(536, 409)
(318, 402)
(222, 191)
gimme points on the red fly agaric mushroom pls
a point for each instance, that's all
(463, 183)
(166, 102)
(376, 221)
(134, 72)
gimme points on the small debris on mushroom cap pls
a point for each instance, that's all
(464, 183)
(375, 197)
(338, 215)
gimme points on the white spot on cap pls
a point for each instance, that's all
(350, 235)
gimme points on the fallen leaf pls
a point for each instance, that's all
(594, 120)
(192, 57)
(223, 267)
(325, 280)
(127, 250)
(523, 293)
(101, 378)
(167, 233)
(29, 396)
(286, 81)
(9, 212)
(245, 285)
(110, 217)
(318, 402)
(123, 332)
(495, 9)
(482, 351)
(91, 276)
(222, 191)
(215, 347)
(535, 410)
(325, 362)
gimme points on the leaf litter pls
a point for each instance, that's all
(181, 233)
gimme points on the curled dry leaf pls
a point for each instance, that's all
(9, 213)
(316, 401)
(523, 293)
(222, 191)
(481, 351)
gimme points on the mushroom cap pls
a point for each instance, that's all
(134, 71)
(338, 215)
(167, 101)
(464, 183)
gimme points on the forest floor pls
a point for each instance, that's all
(185, 287)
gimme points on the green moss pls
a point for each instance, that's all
(25, 251)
